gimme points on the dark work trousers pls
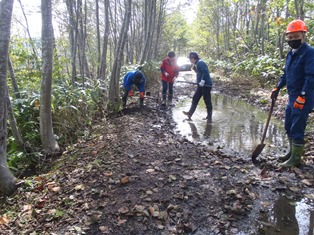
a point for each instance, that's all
(295, 119)
(205, 92)
(165, 87)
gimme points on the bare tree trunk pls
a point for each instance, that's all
(115, 75)
(29, 34)
(262, 30)
(299, 9)
(13, 80)
(15, 130)
(98, 39)
(159, 23)
(7, 180)
(73, 39)
(48, 140)
(103, 68)
(152, 29)
(148, 32)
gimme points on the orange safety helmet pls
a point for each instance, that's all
(296, 26)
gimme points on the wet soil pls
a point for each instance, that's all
(133, 174)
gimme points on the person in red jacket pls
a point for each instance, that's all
(169, 71)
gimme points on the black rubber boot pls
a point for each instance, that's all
(164, 98)
(141, 102)
(169, 100)
(288, 155)
(209, 116)
(187, 114)
(124, 100)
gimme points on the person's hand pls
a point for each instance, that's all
(202, 83)
(166, 74)
(194, 68)
(274, 93)
(299, 103)
(130, 93)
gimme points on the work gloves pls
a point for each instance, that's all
(299, 103)
(202, 83)
(166, 74)
(274, 93)
(130, 93)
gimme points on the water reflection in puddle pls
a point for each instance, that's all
(236, 126)
(287, 217)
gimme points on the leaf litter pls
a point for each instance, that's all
(134, 175)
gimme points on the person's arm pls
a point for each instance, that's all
(309, 73)
(127, 84)
(162, 67)
(282, 82)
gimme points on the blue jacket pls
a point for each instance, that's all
(299, 72)
(128, 81)
(202, 72)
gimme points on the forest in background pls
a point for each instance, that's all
(99, 41)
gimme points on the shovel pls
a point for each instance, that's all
(193, 83)
(261, 146)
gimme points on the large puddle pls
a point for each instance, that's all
(237, 128)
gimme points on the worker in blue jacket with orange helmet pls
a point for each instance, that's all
(298, 76)
(136, 78)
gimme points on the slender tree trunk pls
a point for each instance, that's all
(15, 130)
(159, 23)
(49, 142)
(116, 68)
(29, 34)
(148, 32)
(152, 30)
(105, 43)
(73, 40)
(98, 39)
(13, 80)
(7, 180)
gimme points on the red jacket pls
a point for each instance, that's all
(171, 69)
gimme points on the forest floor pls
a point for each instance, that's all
(132, 174)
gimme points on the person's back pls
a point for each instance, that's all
(203, 72)
(131, 78)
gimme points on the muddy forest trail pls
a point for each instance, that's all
(132, 174)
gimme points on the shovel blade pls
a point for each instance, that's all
(257, 151)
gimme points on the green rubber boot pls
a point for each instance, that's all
(295, 159)
(288, 155)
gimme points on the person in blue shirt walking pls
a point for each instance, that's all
(203, 88)
(136, 78)
(298, 76)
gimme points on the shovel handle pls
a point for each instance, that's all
(268, 119)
